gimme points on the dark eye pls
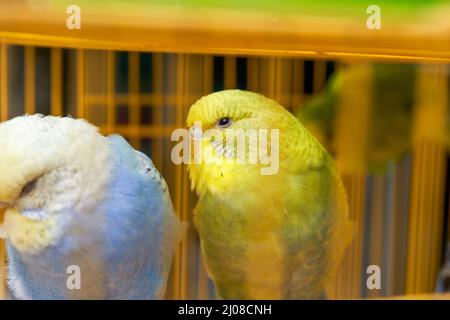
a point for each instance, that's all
(224, 122)
(29, 187)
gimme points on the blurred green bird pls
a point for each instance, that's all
(390, 117)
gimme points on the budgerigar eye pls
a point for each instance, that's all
(29, 187)
(224, 122)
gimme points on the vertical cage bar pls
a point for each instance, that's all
(3, 83)
(252, 74)
(3, 117)
(376, 232)
(349, 277)
(110, 92)
(96, 94)
(396, 223)
(267, 76)
(188, 73)
(134, 97)
(56, 81)
(284, 90)
(273, 65)
(356, 215)
(404, 188)
(297, 85)
(179, 254)
(425, 227)
(80, 83)
(158, 107)
(436, 227)
(170, 80)
(185, 183)
(198, 82)
(194, 79)
(411, 281)
(30, 76)
(278, 93)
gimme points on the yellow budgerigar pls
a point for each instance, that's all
(274, 234)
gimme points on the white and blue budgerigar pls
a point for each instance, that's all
(80, 204)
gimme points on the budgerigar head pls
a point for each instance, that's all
(50, 167)
(245, 109)
(236, 110)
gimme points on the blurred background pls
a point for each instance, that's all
(378, 100)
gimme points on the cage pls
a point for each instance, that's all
(135, 67)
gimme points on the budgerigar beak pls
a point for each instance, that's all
(3, 207)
